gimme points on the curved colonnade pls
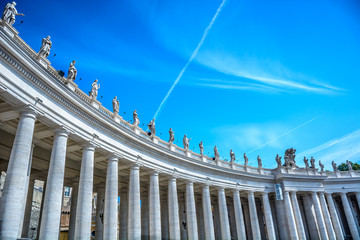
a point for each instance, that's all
(51, 130)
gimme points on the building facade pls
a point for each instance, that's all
(52, 131)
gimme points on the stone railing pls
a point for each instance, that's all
(123, 123)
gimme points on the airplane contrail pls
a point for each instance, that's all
(282, 135)
(191, 58)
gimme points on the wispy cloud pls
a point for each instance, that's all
(339, 150)
(265, 74)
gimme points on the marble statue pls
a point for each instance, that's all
(306, 161)
(116, 105)
(45, 47)
(186, 142)
(278, 160)
(201, 146)
(151, 127)
(334, 165)
(171, 136)
(289, 158)
(10, 12)
(94, 89)
(136, 120)
(259, 161)
(72, 72)
(349, 165)
(232, 156)
(216, 153)
(312, 162)
(246, 159)
(321, 166)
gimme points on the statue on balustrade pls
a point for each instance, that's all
(348, 163)
(232, 156)
(278, 160)
(10, 12)
(201, 146)
(312, 162)
(94, 89)
(151, 127)
(216, 153)
(186, 142)
(136, 120)
(171, 136)
(259, 161)
(334, 165)
(306, 161)
(246, 160)
(72, 72)
(321, 166)
(45, 47)
(289, 158)
(116, 105)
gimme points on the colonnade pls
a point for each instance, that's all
(204, 219)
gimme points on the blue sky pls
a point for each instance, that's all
(265, 68)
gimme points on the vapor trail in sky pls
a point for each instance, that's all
(282, 135)
(191, 58)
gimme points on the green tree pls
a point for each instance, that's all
(344, 167)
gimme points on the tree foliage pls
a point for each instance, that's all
(344, 167)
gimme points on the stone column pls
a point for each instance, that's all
(145, 215)
(51, 214)
(173, 203)
(200, 217)
(154, 209)
(134, 218)
(224, 219)
(239, 217)
(297, 214)
(357, 194)
(74, 196)
(310, 218)
(334, 217)
(191, 223)
(100, 199)
(111, 199)
(319, 217)
(253, 216)
(85, 194)
(11, 210)
(290, 217)
(123, 214)
(268, 217)
(328, 222)
(164, 216)
(349, 217)
(208, 216)
(26, 223)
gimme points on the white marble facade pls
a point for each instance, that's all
(52, 131)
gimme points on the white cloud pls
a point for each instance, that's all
(339, 150)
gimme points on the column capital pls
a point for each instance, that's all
(172, 179)
(61, 131)
(293, 193)
(112, 157)
(88, 146)
(342, 193)
(264, 194)
(135, 166)
(321, 193)
(250, 192)
(155, 172)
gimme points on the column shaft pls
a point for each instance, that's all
(208, 216)
(123, 214)
(334, 217)
(328, 222)
(268, 217)
(26, 223)
(173, 203)
(145, 232)
(12, 200)
(51, 214)
(100, 199)
(349, 217)
(154, 207)
(191, 223)
(224, 219)
(297, 215)
(239, 217)
(134, 219)
(74, 196)
(164, 216)
(290, 217)
(200, 217)
(85, 194)
(253, 217)
(319, 217)
(111, 200)
(357, 194)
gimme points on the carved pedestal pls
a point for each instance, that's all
(9, 29)
(71, 85)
